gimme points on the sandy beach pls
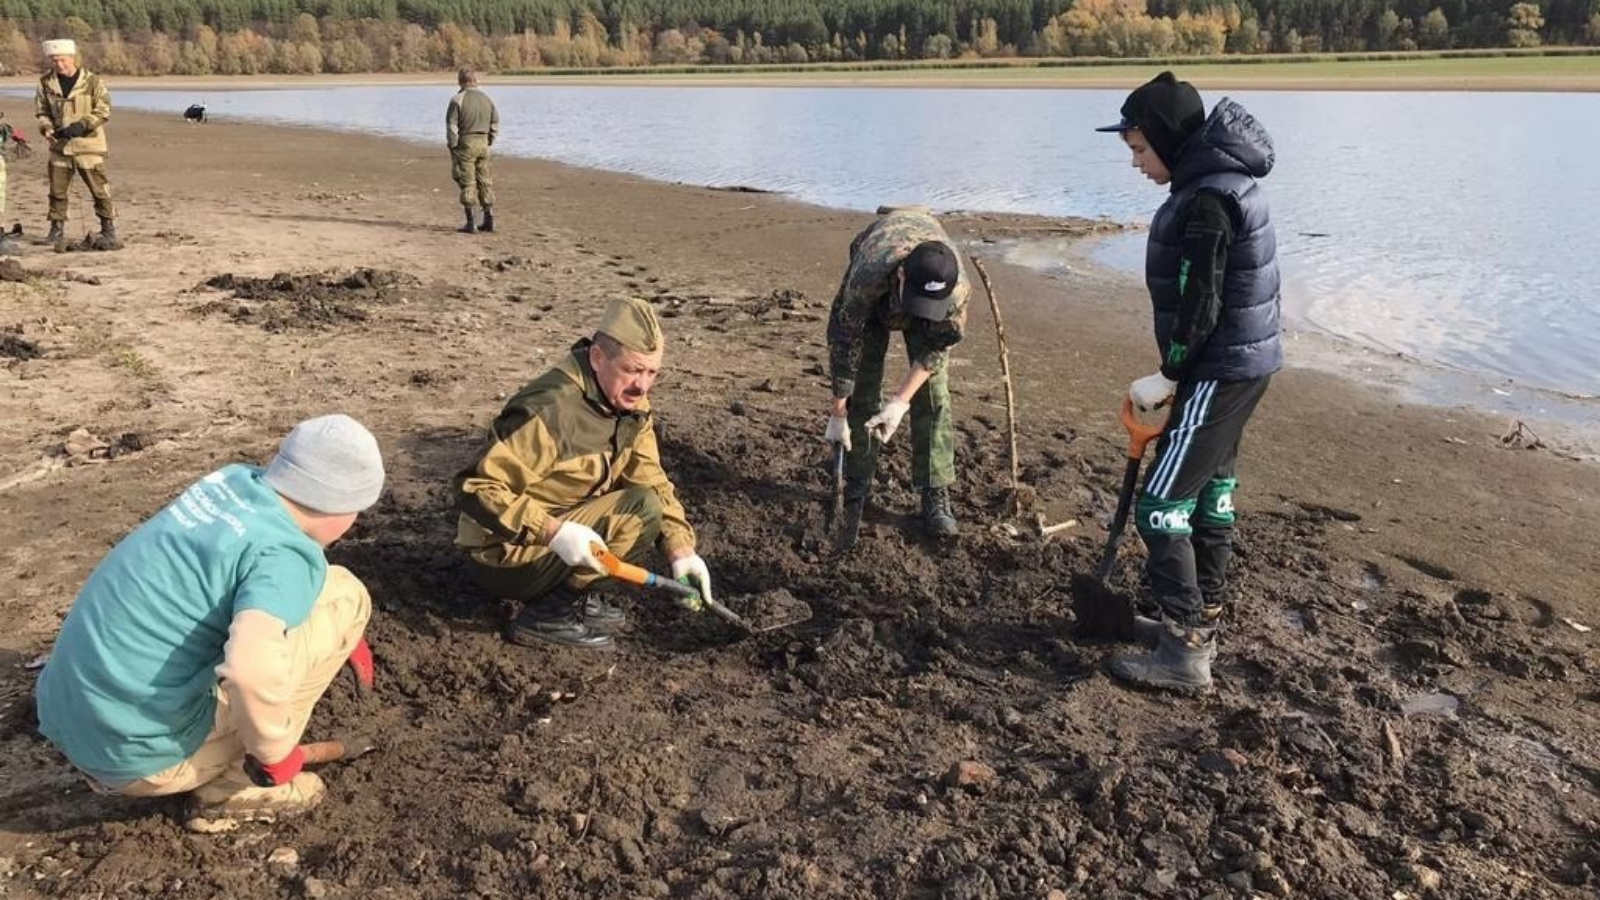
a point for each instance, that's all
(1388, 553)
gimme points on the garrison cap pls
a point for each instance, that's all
(632, 323)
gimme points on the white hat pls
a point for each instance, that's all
(330, 464)
(61, 47)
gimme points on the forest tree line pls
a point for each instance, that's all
(246, 37)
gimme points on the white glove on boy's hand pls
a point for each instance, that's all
(884, 424)
(691, 570)
(1151, 391)
(574, 544)
(838, 431)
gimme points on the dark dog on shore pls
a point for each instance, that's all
(195, 113)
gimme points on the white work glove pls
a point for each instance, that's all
(574, 543)
(691, 570)
(1151, 391)
(838, 431)
(883, 425)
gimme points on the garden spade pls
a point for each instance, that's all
(1102, 612)
(780, 608)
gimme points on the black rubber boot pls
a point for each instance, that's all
(542, 623)
(488, 219)
(937, 516)
(471, 227)
(1181, 660)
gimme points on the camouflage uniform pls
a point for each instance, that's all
(471, 125)
(865, 310)
(90, 103)
(558, 450)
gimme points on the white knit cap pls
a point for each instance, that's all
(61, 47)
(330, 464)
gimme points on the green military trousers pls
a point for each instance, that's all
(92, 169)
(469, 166)
(933, 442)
(629, 520)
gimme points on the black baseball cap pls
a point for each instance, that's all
(931, 272)
(1166, 111)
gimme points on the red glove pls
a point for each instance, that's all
(362, 664)
(281, 772)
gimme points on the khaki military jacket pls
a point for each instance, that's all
(470, 112)
(558, 444)
(90, 101)
(868, 294)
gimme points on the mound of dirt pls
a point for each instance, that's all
(286, 302)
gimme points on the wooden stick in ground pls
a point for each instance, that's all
(1005, 374)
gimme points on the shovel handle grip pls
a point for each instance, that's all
(321, 752)
(632, 574)
(1139, 434)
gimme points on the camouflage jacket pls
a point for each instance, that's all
(867, 295)
(557, 444)
(90, 101)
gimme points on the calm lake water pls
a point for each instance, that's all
(1457, 229)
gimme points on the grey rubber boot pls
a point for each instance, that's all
(1147, 629)
(1181, 660)
(937, 515)
(471, 227)
(488, 219)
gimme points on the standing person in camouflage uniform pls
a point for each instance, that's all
(471, 124)
(72, 105)
(572, 462)
(904, 275)
(8, 247)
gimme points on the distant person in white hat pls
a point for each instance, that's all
(72, 106)
(194, 654)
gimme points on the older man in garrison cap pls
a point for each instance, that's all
(72, 105)
(195, 652)
(572, 464)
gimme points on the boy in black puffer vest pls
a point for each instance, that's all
(1212, 271)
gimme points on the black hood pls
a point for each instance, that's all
(1231, 140)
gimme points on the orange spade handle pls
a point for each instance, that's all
(632, 574)
(1139, 434)
(618, 569)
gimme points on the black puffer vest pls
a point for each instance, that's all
(1226, 156)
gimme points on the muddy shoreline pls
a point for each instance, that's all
(936, 730)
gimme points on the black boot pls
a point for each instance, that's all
(58, 232)
(1181, 660)
(598, 612)
(937, 516)
(555, 625)
(488, 219)
(471, 227)
(107, 239)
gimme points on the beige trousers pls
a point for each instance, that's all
(319, 647)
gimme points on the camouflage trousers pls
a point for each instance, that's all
(469, 166)
(933, 442)
(628, 520)
(92, 169)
